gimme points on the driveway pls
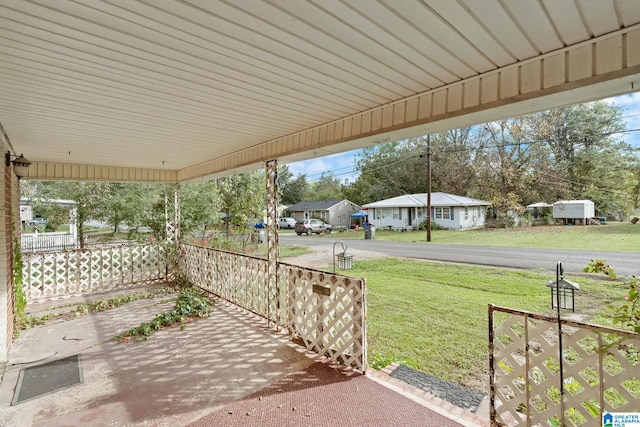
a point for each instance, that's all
(573, 261)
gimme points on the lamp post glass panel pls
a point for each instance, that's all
(563, 293)
(345, 260)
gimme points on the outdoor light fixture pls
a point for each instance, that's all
(562, 291)
(20, 164)
(345, 260)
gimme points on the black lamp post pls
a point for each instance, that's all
(562, 296)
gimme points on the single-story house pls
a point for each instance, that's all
(408, 211)
(334, 212)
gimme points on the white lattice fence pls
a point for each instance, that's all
(526, 370)
(237, 278)
(325, 311)
(51, 275)
(328, 312)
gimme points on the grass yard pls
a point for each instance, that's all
(290, 250)
(433, 316)
(614, 236)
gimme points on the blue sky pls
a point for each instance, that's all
(342, 164)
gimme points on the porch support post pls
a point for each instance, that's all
(172, 218)
(10, 221)
(273, 249)
(176, 213)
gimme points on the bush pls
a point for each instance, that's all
(434, 225)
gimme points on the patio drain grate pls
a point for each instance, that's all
(36, 381)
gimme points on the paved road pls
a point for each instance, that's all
(573, 261)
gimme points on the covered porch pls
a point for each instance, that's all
(229, 369)
(179, 91)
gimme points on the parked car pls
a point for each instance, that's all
(309, 226)
(287, 222)
(37, 221)
(260, 225)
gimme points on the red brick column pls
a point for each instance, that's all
(9, 208)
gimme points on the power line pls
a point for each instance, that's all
(353, 170)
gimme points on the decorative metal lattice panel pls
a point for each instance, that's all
(327, 312)
(51, 275)
(526, 368)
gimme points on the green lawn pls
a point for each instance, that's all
(433, 316)
(623, 237)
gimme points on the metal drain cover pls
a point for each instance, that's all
(36, 381)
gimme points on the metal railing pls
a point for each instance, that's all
(39, 242)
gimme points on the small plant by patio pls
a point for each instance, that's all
(379, 361)
(92, 307)
(103, 305)
(190, 306)
(20, 303)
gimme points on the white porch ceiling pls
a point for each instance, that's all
(168, 85)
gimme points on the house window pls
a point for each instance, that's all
(443, 213)
(466, 212)
(396, 213)
(323, 214)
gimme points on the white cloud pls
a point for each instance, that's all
(341, 165)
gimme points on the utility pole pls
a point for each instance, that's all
(428, 188)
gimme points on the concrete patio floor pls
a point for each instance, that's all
(228, 369)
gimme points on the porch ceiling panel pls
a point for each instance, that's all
(182, 89)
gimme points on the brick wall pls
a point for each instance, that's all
(7, 185)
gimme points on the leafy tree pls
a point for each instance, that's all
(588, 158)
(242, 199)
(292, 189)
(87, 195)
(635, 190)
(154, 216)
(328, 187)
(502, 164)
(200, 207)
(452, 160)
(389, 170)
(124, 203)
